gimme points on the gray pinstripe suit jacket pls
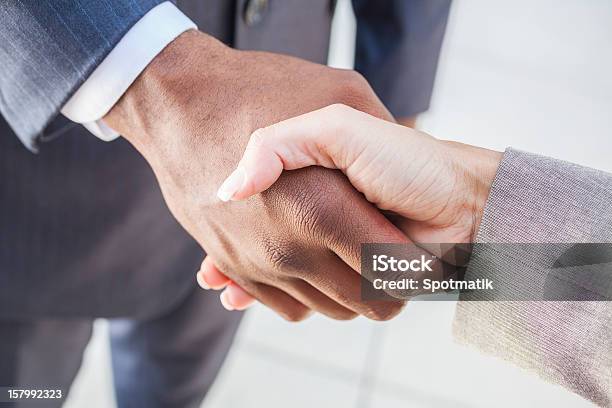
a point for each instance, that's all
(49, 48)
(83, 227)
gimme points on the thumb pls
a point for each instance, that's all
(295, 143)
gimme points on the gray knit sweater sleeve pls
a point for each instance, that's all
(536, 199)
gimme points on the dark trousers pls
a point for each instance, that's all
(166, 361)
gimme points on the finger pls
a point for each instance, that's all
(210, 277)
(236, 298)
(355, 223)
(299, 142)
(340, 282)
(318, 301)
(276, 299)
(455, 253)
(409, 121)
(352, 252)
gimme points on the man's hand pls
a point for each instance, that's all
(295, 247)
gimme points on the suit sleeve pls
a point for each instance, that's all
(397, 50)
(540, 200)
(47, 50)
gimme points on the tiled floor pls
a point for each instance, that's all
(534, 75)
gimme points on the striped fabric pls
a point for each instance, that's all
(537, 199)
(48, 48)
(397, 50)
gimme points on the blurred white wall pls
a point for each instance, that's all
(531, 74)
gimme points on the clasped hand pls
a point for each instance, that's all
(438, 189)
(295, 246)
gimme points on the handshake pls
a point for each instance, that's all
(292, 240)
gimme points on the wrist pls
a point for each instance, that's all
(162, 89)
(475, 169)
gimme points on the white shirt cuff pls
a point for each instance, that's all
(109, 81)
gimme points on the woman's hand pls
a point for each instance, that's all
(436, 188)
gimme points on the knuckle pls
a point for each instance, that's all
(354, 91)
(258, 138)
(310, 214)
(314, 213)
(295, 315)
(337, 117)
(283, 258)
(223, 267)
(336, 109)
(384, 311)
(344, 315)
(301, 200)
(353, 86)
(308, 210)
(356, 79)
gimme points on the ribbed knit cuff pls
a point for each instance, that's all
(535, 199)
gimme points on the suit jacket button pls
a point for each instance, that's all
(254, 12)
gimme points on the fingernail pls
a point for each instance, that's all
(200, 278)
(225, 301)
(232, 184)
